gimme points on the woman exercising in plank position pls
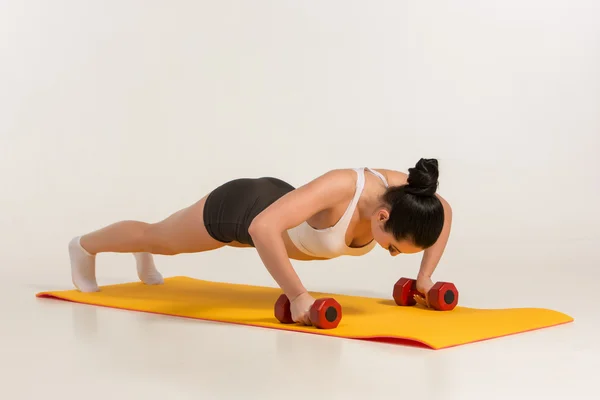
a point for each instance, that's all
(343, 212)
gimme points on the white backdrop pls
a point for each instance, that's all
(132, 109)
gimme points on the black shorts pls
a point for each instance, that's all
(230, 208)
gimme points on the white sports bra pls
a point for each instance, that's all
(331, 242)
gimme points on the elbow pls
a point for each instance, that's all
(259, 228)
(255, 228)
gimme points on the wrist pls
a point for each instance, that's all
(424, 275)
(296, 295)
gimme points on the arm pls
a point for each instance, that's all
(432, 255)
(289, 211)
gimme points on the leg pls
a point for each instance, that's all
(182, 232)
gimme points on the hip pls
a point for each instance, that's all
(231, 207)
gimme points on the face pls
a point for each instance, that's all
(386, 239)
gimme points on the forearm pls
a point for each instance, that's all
(433, 255)
(430, 261)
(271, 249)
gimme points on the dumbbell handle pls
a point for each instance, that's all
(442, 296)
(325, 313)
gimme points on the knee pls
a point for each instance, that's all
(155, 240)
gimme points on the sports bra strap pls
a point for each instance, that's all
(343, 223)
(379, 175)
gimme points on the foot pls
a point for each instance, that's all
(146, 269)
(83, 267)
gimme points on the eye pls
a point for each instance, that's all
(393, 251)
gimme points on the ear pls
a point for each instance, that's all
(383, 215)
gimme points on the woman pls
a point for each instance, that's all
(343, 212)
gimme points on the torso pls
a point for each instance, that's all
(293, 252)
(358, 233)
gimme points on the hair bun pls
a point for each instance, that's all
(423, 178)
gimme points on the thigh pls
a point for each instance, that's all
(184, 232)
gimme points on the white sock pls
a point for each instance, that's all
(146, 269)
(83, 267)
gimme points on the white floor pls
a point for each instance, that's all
(71, 351)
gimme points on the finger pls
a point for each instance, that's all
(418, 299)
(422, 301)
(302, 318)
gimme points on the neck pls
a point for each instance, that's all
(370, 203)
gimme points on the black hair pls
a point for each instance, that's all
(415, 212)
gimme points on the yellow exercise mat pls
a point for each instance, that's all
(362, 317)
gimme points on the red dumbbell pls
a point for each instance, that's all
(325, 313)
(443, 296)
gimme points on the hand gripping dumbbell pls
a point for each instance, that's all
(443, 296)
(325, 313)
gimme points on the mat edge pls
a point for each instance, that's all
(394, 340)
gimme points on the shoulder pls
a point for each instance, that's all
(341, 180)
(335, 183)
(331, 187)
